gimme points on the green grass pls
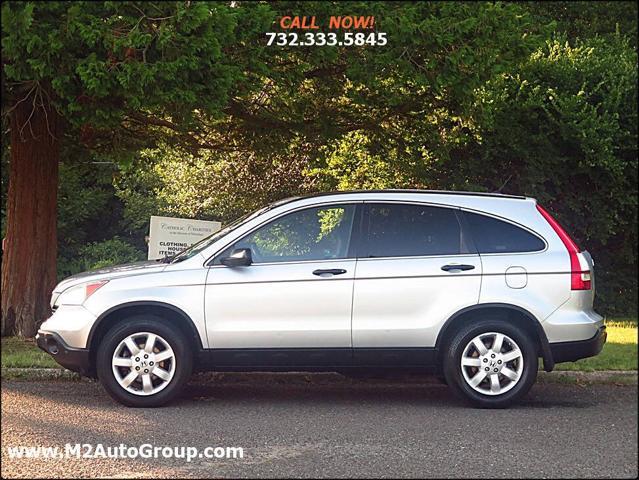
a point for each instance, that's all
(19, 353)
(623, 321)
(619, 352)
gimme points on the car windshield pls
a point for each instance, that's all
(205, 242)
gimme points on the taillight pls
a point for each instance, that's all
(579, 275)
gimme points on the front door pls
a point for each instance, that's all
(292, 305)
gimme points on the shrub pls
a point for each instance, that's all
(563, 129)
(96, 255)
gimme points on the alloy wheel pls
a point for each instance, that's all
(492, 363)
(143, 363)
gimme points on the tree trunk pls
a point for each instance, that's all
(30, 246)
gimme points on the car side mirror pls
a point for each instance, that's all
(240, 257)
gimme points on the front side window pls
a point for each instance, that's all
(396, 230)
(491, 235)
(319, 233)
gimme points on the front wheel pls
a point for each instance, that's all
(491, 363)
(144, 362)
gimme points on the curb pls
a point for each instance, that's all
(616, 377)
(38, 374)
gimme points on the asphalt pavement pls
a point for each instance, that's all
(324, 429)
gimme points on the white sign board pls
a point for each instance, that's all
(169, 236)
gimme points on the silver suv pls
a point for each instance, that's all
(476, 287)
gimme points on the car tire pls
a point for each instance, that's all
(497, 374)
(152, 376)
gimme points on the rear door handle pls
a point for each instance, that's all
(329, 271)
(452, 268)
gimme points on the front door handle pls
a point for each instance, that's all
(329, 271)
(452, 268)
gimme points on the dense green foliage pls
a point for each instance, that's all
(180, 109)
(108, 62)
(587, 19)
(564, 129)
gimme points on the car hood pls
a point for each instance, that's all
(107, 273)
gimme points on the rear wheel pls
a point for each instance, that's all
(144, 362)
(491, 363)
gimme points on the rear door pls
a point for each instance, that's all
(415, 270)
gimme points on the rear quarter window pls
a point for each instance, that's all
(491, 235)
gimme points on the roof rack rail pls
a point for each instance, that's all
(426, 192)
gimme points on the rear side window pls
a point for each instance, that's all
(496, 236)
(396, 230)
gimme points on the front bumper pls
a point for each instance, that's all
(75, 359)
(572, 351)
(71, 322)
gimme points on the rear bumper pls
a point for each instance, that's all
(75, 359)
(572, 351)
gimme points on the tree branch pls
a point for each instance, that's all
(187, 137)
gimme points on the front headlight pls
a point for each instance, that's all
(77, 295)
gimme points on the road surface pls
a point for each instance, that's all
(324, 429)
